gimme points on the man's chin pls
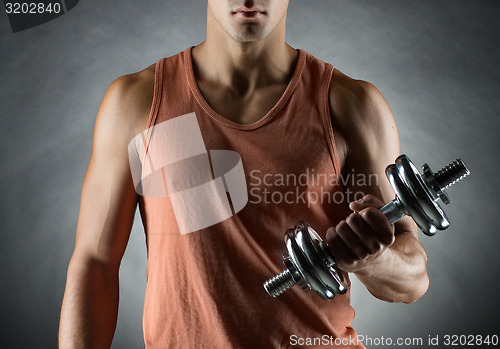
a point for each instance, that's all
(248, 36)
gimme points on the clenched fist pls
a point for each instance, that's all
(362, 237)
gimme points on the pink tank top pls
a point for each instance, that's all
(212, 243)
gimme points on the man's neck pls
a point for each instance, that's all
(244, 67)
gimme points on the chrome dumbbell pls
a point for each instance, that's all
(310, 262)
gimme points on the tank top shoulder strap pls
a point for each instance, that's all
(170, 89)
(158, 86)
(315, 86)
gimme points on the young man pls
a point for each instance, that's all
(286, 114)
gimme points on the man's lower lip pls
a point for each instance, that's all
(249, 14)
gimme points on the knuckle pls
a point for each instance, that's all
(372, 212)
(342, 227)
(358, 219)
(369, 197)
(376, 247)
(363, 254)
(373, 216)
(353, 219)
(372, 199)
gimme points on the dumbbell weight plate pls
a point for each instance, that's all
(309, 254)
(415, 196)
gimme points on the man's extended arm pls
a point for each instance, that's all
(108, 203)
(390, 261)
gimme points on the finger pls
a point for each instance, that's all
(368, 237)
(343, 255)
(352, 240)
(330, 235)
(379, 224)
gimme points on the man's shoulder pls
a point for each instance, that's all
(356, 102)
(136, 86)
(128, 99)
(351, 93)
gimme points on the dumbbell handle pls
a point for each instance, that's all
(393, 210)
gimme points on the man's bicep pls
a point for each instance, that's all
(373, 143)
(376, 145)
(108, 199)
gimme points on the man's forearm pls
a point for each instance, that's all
(90, 305)
(399, 274)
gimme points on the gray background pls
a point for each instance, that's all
(436, 62)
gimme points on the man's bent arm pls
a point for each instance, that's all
(108, 202)
(390, 261)
(399, 273)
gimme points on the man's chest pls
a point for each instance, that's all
(244, 108)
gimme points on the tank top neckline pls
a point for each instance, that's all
(299, 67)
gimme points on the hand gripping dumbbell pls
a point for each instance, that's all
(310, 262)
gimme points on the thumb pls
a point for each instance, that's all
(366, 201)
